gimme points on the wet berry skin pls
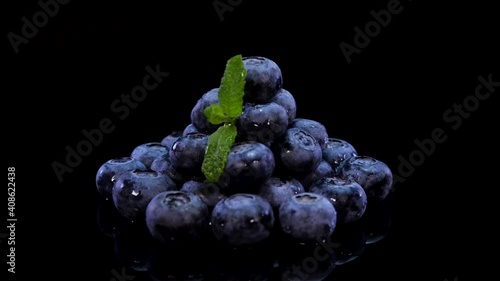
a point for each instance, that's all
(313, 127)
(133, 190)
(198, 118)
(287, 101)
(162, 165)
(348, 197)
(277, 190)
(147, 152)
(242, 219)
(323, 170)
(249, 164)
(111, 169)
(209, 192)
(372, 174)
(262, 122)
(177, 216)
(337, 151)
(169, 139)
(263, 79)
(187, 153)
(308, 217)
(297, 152)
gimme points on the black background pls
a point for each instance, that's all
(394, 91)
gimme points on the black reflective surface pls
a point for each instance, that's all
(420, 94)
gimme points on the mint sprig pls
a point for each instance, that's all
(230, 107)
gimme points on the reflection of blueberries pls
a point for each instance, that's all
(187, 153)
(147, 152)
(177, 216)
(248, 165)
(307, 262)
(134, 189)
(242, 219)
(338, 150)
(373, 175)
(237, 264)
(209, 192)
(377, 221)
(313, 127)
(297, 152)
(133, 245)
(308, 217)
(349, 241)
(111, 169)
(173, 262)
(108, 218)
(348, 197)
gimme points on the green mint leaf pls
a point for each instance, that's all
(215, 114)
(219, 145)
(231, 89)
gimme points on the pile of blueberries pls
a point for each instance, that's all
(284, 175)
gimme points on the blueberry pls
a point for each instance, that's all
(277, 190)
(323, 170)
(263, 79)
(190, 128)
(111, 169)
(306, 262)
(373, 175)
(262, 122)
(350, 241)
(249, 164)
(169, 139)
(287, 101)
(313, 127)
(133, 190)
(338, 150)
(242, 219)
(162, 165)
(187, 153)
(297, 152)
(348, 197)
(209, 192)
(177, 216)
(308, 217)
(198, 118)
(147, 152)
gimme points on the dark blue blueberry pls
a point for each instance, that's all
(249, 164)
(173, 216)
(373, 175)
(242, 219)
(308, 217)
(297, 152)
(348, 197)
(323, 170)
(187, 153)
(287, 101)
(147, 152)
(276, 190)
(162, 165)
(169, 139)
(313, 127)
(198, 118)
(111, 169)
(209, 192)
(338, 150)
(262, 122)
(133, 190)
(263, 79)
(190, 128)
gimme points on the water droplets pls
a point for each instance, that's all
(136, 192)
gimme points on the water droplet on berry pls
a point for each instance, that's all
(135, 193)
